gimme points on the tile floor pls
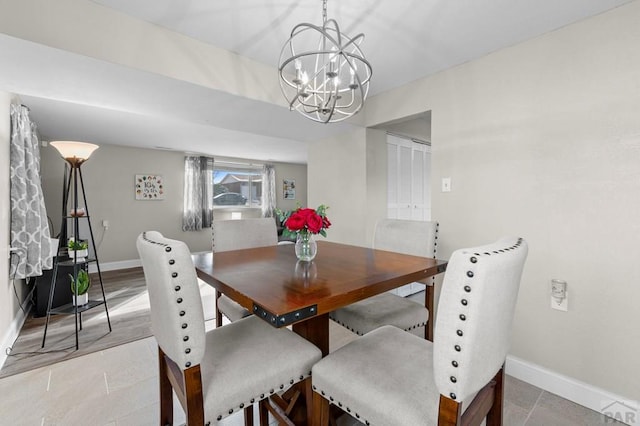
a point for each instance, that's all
(118, 387)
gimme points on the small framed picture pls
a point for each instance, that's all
(149, 187)
(289, 188)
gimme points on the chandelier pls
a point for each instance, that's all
(323, 73)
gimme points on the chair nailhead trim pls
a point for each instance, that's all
(241, 405)
(167, 249)
(219, 418)
(467, 289)
(474, 259)
(470, 274)
(182, 313)
(172, 261)
(187, 351)
(185, 338)
(453, 379)
(188, 364)
(454, 363)
(457, 348)
(177, 288)
(459, 332)
(174, 274)
(179, 300)
(463, 317)
(231, 411)
(464, 302)
(453, 396)
(184, 325)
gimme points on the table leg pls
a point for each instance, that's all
(315, 330)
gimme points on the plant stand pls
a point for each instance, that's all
(76, 262)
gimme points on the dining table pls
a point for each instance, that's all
(274, 285)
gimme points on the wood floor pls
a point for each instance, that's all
(128, 304)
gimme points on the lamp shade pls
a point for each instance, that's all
(75, 152)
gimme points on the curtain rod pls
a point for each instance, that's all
(416, 140)
(236, 163)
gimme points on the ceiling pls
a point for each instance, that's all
(83, 98)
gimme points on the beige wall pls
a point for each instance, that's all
(348, 173)
(109, 181)
(542, 140)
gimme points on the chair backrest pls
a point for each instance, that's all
(475, 312)
(242, 234)
(177, 319)
(412, 237)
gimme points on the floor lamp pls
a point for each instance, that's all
(75, 154)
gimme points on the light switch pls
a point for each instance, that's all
(446, 184)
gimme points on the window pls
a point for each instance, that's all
(237, 185)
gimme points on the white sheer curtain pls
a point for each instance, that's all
(198, 193)
(30, 234)
(268, 190)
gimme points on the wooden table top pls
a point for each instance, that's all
(273, 284)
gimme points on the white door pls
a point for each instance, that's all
(409, 167)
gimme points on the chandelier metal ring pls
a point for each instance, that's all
(328, 84)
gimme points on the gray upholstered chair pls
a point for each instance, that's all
(390, 377)
(402, 236)
(222, 371)
(236, 235)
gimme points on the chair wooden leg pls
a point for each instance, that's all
(194, 408)
(428, 303)
(166, 394)
(308, 398)
(320, 410)
(248, 415)
(218, 313)
(494, 416)
(264, 412)
(450, 412)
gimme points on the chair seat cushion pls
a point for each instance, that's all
(231, 309)
(248, 360)
(383, 309)
(377, 383)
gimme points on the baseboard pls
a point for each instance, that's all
(113, 266)
(122, 264)
(12, 333)
(597, 399)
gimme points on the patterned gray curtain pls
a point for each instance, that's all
(198, 193)
(30, 234)
(268, 190)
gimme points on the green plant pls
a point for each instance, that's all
(77, 245)
(83, 282)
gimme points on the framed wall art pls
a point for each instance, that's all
(149, 187)
(289, 189)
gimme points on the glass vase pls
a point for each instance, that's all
(306, 247)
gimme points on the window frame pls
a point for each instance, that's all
(255, 173)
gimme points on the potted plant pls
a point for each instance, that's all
(80, 286)
(78, 250)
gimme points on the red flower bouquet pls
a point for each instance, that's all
(305, 221)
